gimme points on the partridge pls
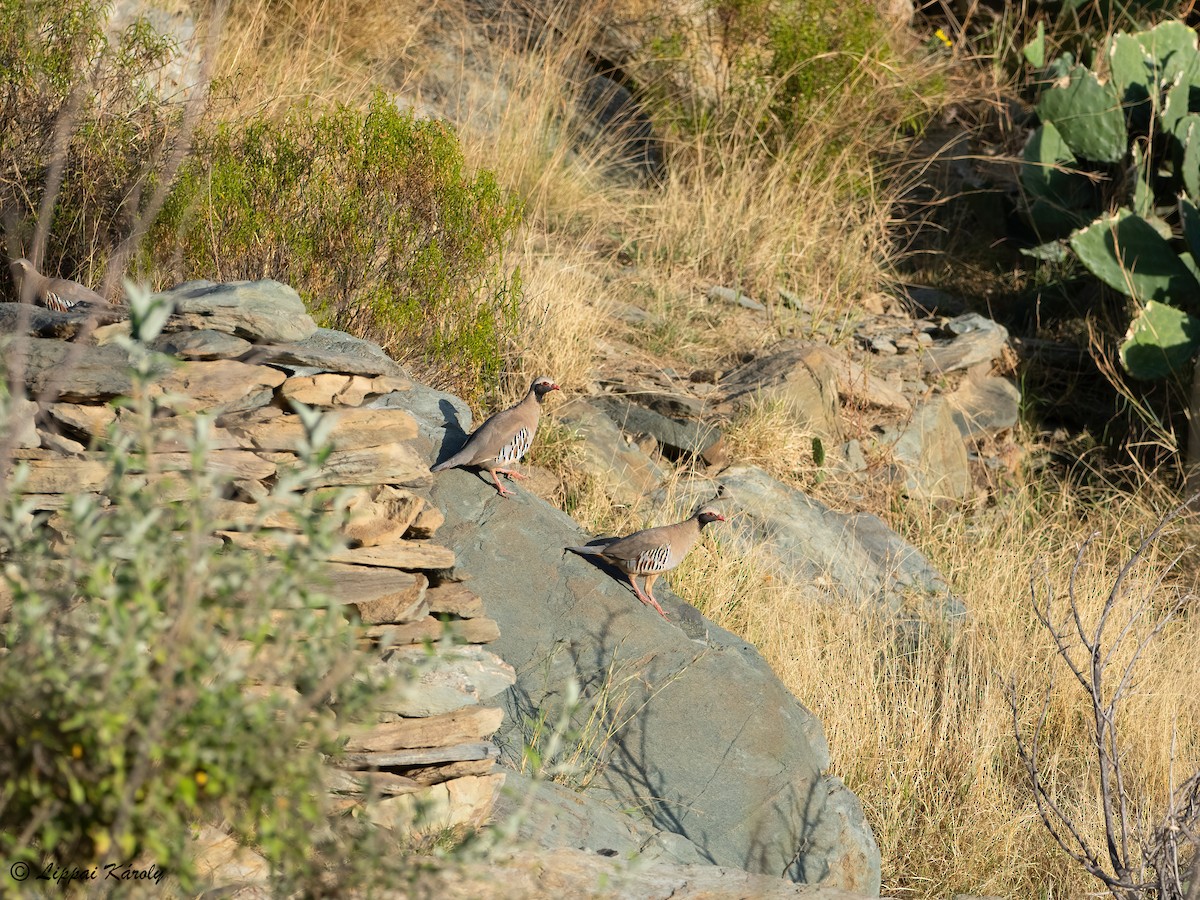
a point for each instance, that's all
(58, 294)
(504, 438)
(652, 551)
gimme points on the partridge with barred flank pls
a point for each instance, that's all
(58, 294)
(504, 438)
(652, 551)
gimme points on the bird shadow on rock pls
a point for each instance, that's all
(453, 434)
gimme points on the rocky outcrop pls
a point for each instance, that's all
(742, 779)
(739, 782)
(910, 403)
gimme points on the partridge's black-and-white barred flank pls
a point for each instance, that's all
(652, 551)
(504, 438)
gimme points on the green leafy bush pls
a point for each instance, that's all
(59, 67)
(370, 216)
(149, 680)
(815, 49)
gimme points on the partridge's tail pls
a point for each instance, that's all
(594, 550)
(457, 459)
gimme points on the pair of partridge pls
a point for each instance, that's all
(504, 438)
(58, 294)
(652, 551)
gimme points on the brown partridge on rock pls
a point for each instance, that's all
(58, 294)
(652, 551)
(504, 438)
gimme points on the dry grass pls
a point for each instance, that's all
(924, 734)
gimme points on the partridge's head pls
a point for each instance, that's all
(709, 514)
(542, 386)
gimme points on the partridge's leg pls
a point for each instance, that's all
(511, 473)
(647, 597)
(504, 492)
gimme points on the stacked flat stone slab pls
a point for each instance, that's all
(241, 353)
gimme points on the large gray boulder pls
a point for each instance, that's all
(854, 556)
(700, 736)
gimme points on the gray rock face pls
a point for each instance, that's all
(932, 456)
(333, 351)
(550, 815)
(741, 778)
(676, 437)
(985, 404)
(205, 344)
(626, 472)
(259, 311)
(857, 555)
(978, 340)
(74, 371)
(799, 375)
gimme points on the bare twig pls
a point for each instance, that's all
(1120, 872)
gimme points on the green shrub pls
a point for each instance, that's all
(815, 48)
(777, 62)
(370, 216)
(149, 682)
(55, 55)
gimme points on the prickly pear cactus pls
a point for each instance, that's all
(1132, 128)
(1125, 132)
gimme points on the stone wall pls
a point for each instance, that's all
(242, 353)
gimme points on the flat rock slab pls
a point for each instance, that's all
(801, 376)
(931, 454)
(397, 555)
(330, 389)
(428, 686)
(677, 437)
(205, 344)
(462, 726)
(985, 404)
(435, 631)
(73, 372)
(977, 340)
(332, 351)
(463, 801)
(348, 429)
(390, 464)
(259, 311)
(219, 386)
(58, 475)
(37, 321)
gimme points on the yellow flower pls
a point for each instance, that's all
(201, 778)
(76, 751)
(941, 36)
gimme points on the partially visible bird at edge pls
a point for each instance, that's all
(504, 438)
(58, 294)
(652, 551)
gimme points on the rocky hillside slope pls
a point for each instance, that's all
(691, 751)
